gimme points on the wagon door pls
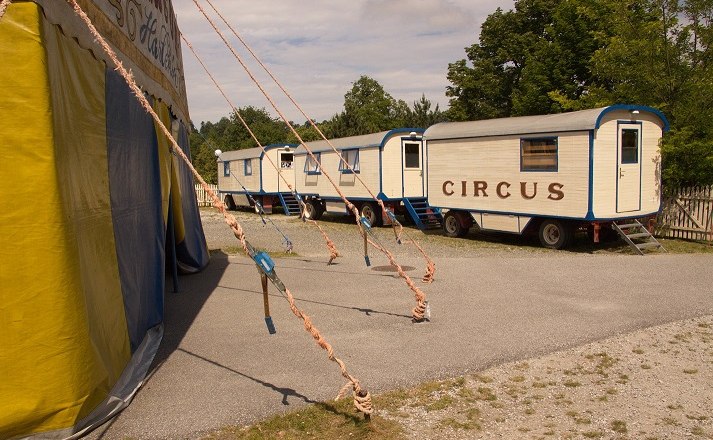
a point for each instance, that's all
(286, 164)
(412, 153)
(628, 189)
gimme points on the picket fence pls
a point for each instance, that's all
(687, 213)
(202, 195)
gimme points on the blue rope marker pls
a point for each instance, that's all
(266, 267)
(392, 217)
(259, 210)
(367, 228)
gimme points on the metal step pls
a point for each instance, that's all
(634, 230)
(423, 215)
(289, 203)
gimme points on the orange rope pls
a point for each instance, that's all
(431, 267)
(349, 205)
(364, 403)
(330, 244)
(3, 6)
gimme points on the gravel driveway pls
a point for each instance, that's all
(492, 303)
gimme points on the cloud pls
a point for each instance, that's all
(317, 49)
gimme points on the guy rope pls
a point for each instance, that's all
(396, 225)
(3, 6)
(418, 312)
(362, 398)
(330, 244)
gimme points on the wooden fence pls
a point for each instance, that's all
(202, 195)
(687, 214)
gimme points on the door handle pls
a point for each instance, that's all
(621, 173)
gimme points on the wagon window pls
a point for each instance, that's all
(311, 165)
(351, 157)
(286, 160)
(248, 167)
(412, 156)
(538, 154)
(226, 168)
(629, 145)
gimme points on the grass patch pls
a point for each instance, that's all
(619, 426)
(690, 371)
(323, 420)
(440, 404)
(485, 393)
(593, 434)
(572, 383)
(698, 430)
(686, 246)
(238, 250)
(637, 351)
(452, 423)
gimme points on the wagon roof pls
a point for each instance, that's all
(363, 141)
(250, 153)
(572, 121)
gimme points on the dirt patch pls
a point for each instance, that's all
(651, 384)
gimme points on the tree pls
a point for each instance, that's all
(421, 116)
(548, 56)
(368, 108)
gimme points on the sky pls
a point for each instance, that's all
(317, 49)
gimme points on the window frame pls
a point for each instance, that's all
(282, 162)
(226, 168)
(247, 168)
(528, 169)
(419, 146)
(317, 169)
(621, 146)
(355, 168)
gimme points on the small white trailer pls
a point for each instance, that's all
(390, 163)
(248, 174)
(549, 174)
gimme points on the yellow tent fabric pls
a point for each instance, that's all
(60, 298)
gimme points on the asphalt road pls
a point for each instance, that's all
(218, 365)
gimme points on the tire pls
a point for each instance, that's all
(229, 202)
(372, 212)
(452, 225)
(554, 234)
(313, 209)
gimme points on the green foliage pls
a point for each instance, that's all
(368, 108)
(547, 56)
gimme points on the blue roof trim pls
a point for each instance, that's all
(395, 131)
(273, 146)
(611, 108)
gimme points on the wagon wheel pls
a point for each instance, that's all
(313, 210)
(372, 213)
(452, 225)
(554, 234)
(229, 202)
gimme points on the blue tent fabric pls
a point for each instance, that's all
(135, 184)
(192, 252)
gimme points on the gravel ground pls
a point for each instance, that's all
(649, 384)
(494, 301)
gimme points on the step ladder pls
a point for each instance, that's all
(423, 215)
(289, 203)
(636, 235)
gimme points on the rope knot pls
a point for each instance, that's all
(419, 312)
(362, 402)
